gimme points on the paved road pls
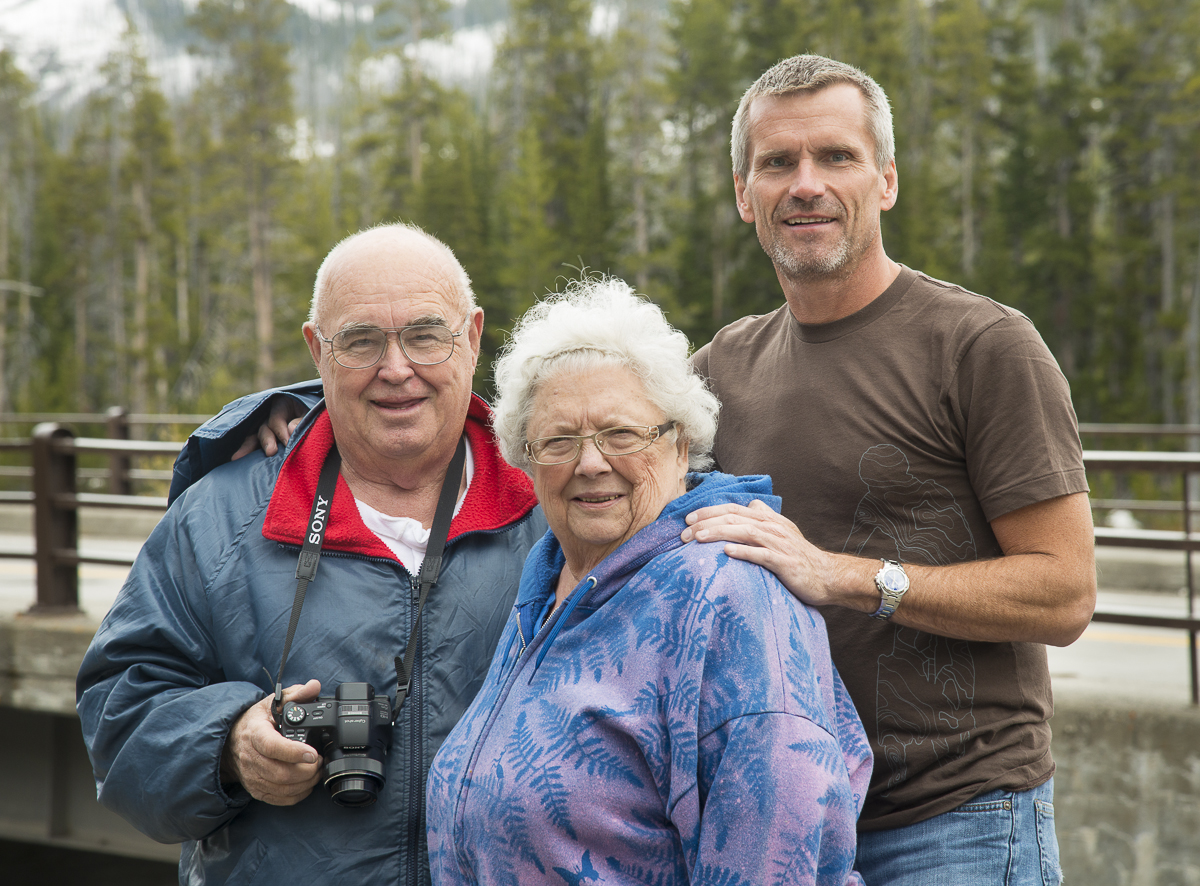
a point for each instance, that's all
(98, 585)
(1148, 664)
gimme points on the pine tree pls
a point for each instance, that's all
(248, 35)
(17, 149)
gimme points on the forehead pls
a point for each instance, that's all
(831, 115)
(390, 285)
(593, 398)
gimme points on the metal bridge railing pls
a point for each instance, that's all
(57, 501)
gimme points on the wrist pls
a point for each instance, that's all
(892, 583)
(851, 583)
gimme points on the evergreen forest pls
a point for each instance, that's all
(157, 249)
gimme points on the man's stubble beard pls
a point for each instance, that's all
(812, 266)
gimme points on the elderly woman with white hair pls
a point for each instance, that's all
(656, 712)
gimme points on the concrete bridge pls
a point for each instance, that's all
(1126, 738)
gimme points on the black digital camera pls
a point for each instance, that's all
(352, 731)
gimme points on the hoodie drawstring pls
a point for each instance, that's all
(562, 620)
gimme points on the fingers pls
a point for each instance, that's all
(266, 439)
(284, 417)
(248, 446)
(307, 692)
(270, 767)
(274, 433)
(759, 535)
(736, 523)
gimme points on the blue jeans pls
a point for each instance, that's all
(1000, 838)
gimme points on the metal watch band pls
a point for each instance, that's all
(889, 597)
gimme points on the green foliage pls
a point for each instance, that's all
(1047, 152)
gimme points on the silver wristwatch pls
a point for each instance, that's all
(892, 582)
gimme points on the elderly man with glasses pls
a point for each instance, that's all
(181, 695)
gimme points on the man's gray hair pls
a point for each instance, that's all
(810, 73)
(397, 231)
(601, 322)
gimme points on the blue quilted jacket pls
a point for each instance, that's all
(196, 635)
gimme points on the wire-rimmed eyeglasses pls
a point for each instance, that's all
(361, 347)
(625, 440)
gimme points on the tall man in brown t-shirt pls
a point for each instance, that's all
(923, 441)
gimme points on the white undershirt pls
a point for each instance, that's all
(406, 537)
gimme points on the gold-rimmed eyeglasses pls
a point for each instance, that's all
(361, 347)
(625, 440)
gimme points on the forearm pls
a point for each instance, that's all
(1033, 597)
(161, 773)
(1042, 590)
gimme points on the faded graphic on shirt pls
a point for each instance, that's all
(925, 688)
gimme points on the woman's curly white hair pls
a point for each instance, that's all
(601, 321)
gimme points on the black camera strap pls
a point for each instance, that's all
(431, 565)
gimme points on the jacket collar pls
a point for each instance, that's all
(498, 496)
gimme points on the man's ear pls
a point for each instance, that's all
(891, 188)
(745, 210)
(313, 341)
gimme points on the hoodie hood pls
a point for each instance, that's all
(546, 560)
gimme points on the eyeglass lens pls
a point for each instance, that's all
(360, 348)
(610, 441)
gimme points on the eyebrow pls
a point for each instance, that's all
(428, 320)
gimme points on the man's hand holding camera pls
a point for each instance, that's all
(270, 767)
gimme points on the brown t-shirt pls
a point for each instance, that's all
(900, 432)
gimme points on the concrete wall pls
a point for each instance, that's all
(1127, 793)
(1127, 804)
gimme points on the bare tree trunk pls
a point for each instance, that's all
(415, 129)
(1065, 299)
(81, 328)
(1165, 162)
(25, 269)
(721, 225)
(1192, 341)
(116, 300)
(182, 320)
(641, 222)
(5, 234)
(261, 287)
(968, 189)
(139, 377)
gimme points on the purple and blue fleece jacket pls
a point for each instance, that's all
(677, 720)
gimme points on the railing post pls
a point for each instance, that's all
(55, 529)
(119, 482)
(1193, 667)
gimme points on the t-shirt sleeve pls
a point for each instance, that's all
(1020, 430)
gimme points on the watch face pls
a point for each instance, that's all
(894, 579)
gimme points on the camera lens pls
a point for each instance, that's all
(353, 779)
(349, 791)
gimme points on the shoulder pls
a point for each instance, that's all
(764, 650)
(955, 307)
(965, 327)
(736, 591)
(737, 345)
(749, 329)
(220, 505)
(215, 441)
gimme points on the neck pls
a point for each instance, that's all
(824, 300)
(414, 497)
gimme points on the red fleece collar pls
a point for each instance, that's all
(498, 496)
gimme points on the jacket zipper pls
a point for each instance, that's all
(416, 744)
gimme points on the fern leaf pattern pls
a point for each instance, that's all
(678, 720)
